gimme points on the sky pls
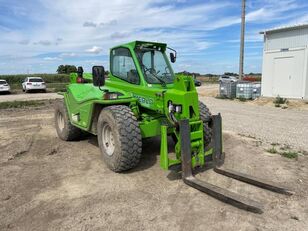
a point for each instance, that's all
(36, 36)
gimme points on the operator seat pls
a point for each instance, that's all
(132, 76)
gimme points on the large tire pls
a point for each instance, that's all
(206, 117)
(119, 138)
(65, 130)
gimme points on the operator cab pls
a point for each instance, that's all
(142, 63)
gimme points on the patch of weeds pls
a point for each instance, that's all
(285, 151)
(279, 100)
(290, 154)
(21, 104)
(272, 150)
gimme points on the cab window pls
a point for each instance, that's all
(122, 65)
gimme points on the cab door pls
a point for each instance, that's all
(125, 75)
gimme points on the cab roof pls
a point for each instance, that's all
(137, 43)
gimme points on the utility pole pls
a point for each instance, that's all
(241, 68)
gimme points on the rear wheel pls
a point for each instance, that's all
(119, 138)
(65, 130)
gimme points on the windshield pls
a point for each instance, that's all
(155, 66)
(2, 82)
(37, 80)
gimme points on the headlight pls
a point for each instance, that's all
(178, 108)
(110, 95)
(174, 107)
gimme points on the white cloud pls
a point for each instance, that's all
(52, 58)
(203, 45)
(71, 54)
(94, 50)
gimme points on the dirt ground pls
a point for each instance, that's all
(28, 96)
(49, 184)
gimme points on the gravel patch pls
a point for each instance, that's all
(273, 125)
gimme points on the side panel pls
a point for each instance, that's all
(81, 98)
(147, 97)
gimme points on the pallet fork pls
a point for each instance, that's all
(218, 157)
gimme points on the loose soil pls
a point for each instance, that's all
(49, 184)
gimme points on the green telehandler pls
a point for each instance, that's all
(143, 98)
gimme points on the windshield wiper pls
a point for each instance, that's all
(162, 82)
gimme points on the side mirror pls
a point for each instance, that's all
(98, 74)
(80, 71)
(172, 57)
(197, 83)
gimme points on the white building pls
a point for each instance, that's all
(285, 62)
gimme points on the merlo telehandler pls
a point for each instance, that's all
(141, 98)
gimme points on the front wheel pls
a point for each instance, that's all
(119, 138)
